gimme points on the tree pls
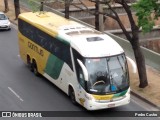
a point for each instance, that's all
(133, 38)
(6, 6)
(147, 12)
(67, 5)
(17, 8)
(97, 5)
(42, 6)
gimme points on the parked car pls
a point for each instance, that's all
(4, 22)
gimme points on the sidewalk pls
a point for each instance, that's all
(11, 12)
(150, 93)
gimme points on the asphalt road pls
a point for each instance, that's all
(20, 90)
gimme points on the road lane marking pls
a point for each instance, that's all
(15, 94)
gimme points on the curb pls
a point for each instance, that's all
(144, 99)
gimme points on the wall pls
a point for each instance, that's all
(152, 58)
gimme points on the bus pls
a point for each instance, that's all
(88, 65)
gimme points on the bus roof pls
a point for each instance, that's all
(87, 41)
(46, 20)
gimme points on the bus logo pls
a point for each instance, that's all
(6, 114)
(35, 48)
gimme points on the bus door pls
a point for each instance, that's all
(81, 86)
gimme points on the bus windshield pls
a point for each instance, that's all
(107, 75)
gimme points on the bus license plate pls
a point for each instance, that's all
(111, 105)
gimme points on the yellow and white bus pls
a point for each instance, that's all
(89, 66)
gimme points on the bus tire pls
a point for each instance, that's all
(35, 70)
(72, 95)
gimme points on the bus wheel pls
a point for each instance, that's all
(35, 70)
(72, 96)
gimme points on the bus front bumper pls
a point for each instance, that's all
(94, 105)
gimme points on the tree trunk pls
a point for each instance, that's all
(134, 40)
(101, 19)
(140, 63)
(17, 8)
(97, 15)
(6, 6)
(41, 7)
(67, 4)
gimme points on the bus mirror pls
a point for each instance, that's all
(83, 69)
(133, 64)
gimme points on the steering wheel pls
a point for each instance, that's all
(97, 82)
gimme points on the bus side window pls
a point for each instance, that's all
(21, 26)
(28, 30)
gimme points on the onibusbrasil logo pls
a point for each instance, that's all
(21, 114)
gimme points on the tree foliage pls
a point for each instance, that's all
(147, 12)
(33, 6)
